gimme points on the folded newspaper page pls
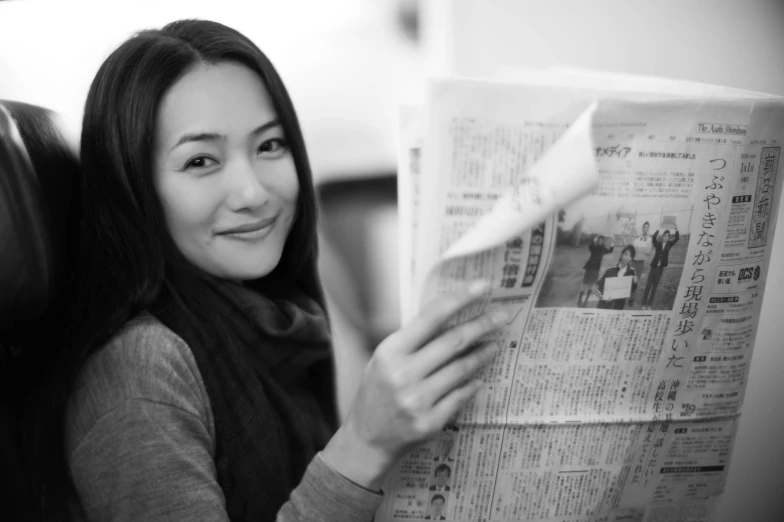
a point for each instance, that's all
(628, 233)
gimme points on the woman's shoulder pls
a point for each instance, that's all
(142, 352)
(144, 361)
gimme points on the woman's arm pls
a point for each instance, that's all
(142, 442)
(141, 439)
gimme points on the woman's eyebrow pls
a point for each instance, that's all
(262, 128)
(201, 136)
(212, 136)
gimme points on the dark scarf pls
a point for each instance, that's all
(270, 378)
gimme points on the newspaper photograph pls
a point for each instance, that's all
(628, 235)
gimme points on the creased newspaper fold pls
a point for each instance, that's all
(566, 172)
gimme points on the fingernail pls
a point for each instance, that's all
(478, 287)
(499, 317)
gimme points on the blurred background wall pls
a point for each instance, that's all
(348, 65)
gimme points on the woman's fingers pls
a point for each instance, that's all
(422, 328)
(417, 378)
(442, 349)
(454, 375)
(453, 401)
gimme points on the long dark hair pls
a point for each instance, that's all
(129, 263)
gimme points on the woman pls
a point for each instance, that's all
(622, 269)
(598, 247)
(203, 385)
(662, 245)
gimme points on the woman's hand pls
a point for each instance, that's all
(414, 383)
(598, 294)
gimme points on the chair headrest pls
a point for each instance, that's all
(38, 176)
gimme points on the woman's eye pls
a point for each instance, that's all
(199, 162)
(273, 148)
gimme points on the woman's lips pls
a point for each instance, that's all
(248, 231)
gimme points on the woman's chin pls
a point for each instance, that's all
(249, 273)
(243, 271)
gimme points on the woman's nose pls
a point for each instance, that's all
(245, 189)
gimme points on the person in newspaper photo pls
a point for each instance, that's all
(441, 475)
(445, 445)
(598, 248)
(437, 503)
(199, 374)
(643, 246)
(622, 269)
(662, 245)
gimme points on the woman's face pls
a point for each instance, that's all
(626, 257)
(224, 172)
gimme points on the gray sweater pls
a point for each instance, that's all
(140, 437)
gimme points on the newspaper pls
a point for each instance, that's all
(612, 409)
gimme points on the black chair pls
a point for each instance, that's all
(38, 175)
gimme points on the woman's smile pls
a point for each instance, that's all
(250, 231)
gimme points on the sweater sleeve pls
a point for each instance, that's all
(141, 439)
